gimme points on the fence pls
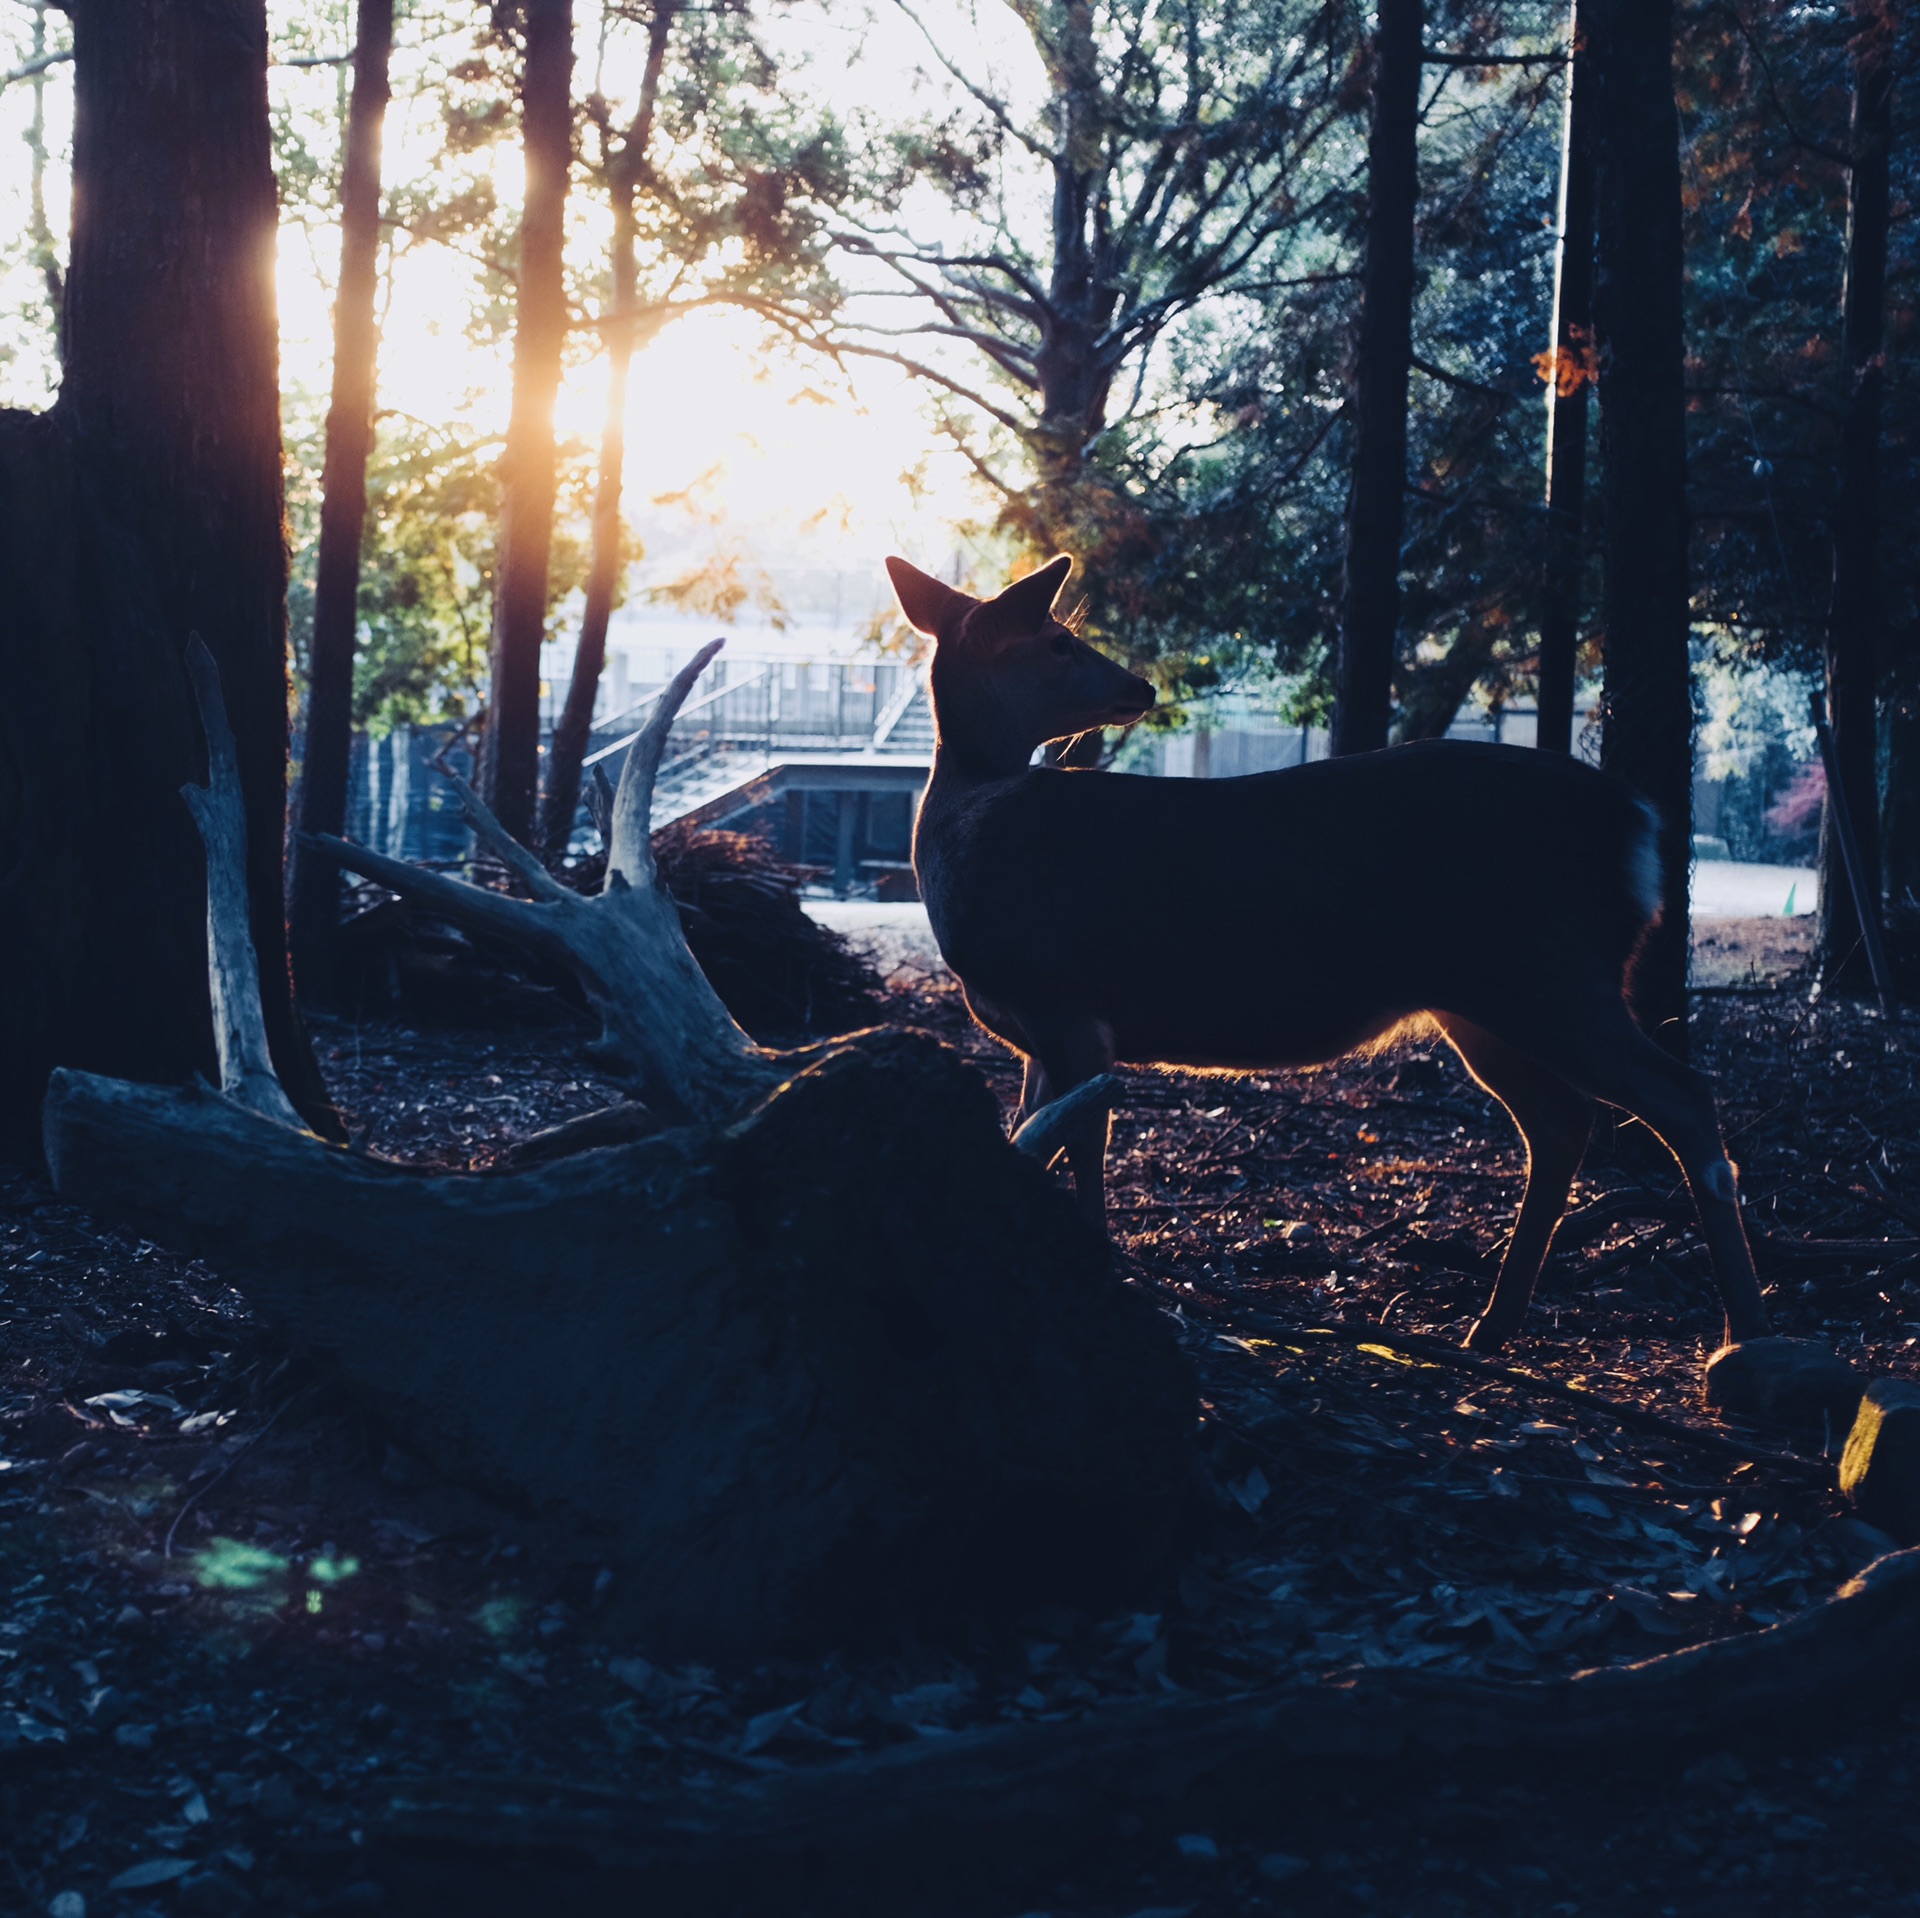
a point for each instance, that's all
(776, 705)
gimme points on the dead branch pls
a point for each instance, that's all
(663, 1026)
(1045, 1132)
(233, 968)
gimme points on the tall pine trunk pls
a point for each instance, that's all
(1072, 376)
(626, 169)
(511, 763)
(1567, 397)
(1900, 813)
(327, 747)
(1639, 319)
(145, 506)
(1856, 612)
(1383, 350)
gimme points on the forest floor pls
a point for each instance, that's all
(232, 1616)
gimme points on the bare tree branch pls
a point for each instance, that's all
(1440, 57)
(1465, 385)
(38, 64)
(997, 109)
(805, 329)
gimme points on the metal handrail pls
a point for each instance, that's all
(692, 706)
(896, 708)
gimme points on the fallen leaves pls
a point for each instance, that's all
(1372, 1507)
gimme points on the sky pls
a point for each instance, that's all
(790, 460)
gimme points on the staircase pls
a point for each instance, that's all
(694, 782)
(912, 733)
(715, 769)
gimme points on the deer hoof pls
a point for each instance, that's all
(1489, 1334)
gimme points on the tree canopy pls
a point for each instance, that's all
(1116, 243)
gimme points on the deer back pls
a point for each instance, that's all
(1287, 916)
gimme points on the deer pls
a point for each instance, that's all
(1287, 919)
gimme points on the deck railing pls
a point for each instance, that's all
(761, 704)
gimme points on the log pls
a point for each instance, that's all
(849, 1361)
(924, 1827)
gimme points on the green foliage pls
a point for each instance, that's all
(426, 581)
(1756, 742)
(739, 179)
(1131, 285)
(427, 565)
(1207, 175)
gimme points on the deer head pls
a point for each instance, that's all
(1007, 675)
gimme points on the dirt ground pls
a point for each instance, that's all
(1750, 952)
(232, 1616)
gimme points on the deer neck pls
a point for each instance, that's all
(976, 739)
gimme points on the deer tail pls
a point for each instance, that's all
(1641, 864)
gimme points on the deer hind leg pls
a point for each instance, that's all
(1067, 1052)
(1554, 1120)
(1611, 1058)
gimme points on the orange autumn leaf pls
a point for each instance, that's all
(1568, 368)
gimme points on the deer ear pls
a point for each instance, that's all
(931, 606)
(1028, 601)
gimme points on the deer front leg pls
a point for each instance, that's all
(1067, 1052)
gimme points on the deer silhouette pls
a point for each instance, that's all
(1494, 893)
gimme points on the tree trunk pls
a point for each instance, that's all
(146, 505)
(1383, 348)
(1648, 737)
(511, 761)
(1567, 398)
(625, 170)
(1900, 815)
(1854, 621)
(1070, 510)
(327, 748)
(1431, 694)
